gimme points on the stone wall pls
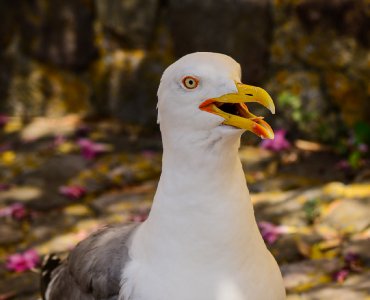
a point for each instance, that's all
(320, 64)
(106, 57)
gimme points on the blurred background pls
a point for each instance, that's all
(80, 147)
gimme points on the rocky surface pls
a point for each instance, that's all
(317, 47)
(58, 33)
(106, 57)
(241, 29)
(132, 21)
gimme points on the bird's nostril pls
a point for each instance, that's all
(249, 95)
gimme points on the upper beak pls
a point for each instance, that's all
(233, 108)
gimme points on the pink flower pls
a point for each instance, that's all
(279, 143)
(4, 187)
(351, 257)
(340, 275)
(90, 149)
(72, 191)
(21, 262)
(343, 165)
(149, 154)
(140, 216)
(5, 147)
(16, 211)
(270, 232)
(3, 120)
(353, 262)
(59, 140)
(363, 148)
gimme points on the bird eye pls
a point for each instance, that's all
(190, 82)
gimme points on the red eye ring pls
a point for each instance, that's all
(190, 82)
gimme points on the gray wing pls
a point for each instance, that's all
(93, 269)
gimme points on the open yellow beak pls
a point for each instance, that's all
(233, 108)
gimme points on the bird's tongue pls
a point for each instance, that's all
(260, 126)
(246, 120)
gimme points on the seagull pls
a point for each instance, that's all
(200, 240)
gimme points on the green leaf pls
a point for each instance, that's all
(362, 132)
(354, 159)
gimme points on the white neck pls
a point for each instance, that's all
(201, 239)
(202, 196)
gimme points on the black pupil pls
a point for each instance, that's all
(191, 82)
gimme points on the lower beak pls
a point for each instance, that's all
(233, 108)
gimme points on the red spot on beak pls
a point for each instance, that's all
(206, 105)
(259, 130)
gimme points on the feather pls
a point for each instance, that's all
(93, 268)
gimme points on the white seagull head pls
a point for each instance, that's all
(202, 93)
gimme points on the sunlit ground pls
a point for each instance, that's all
(61, 179)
